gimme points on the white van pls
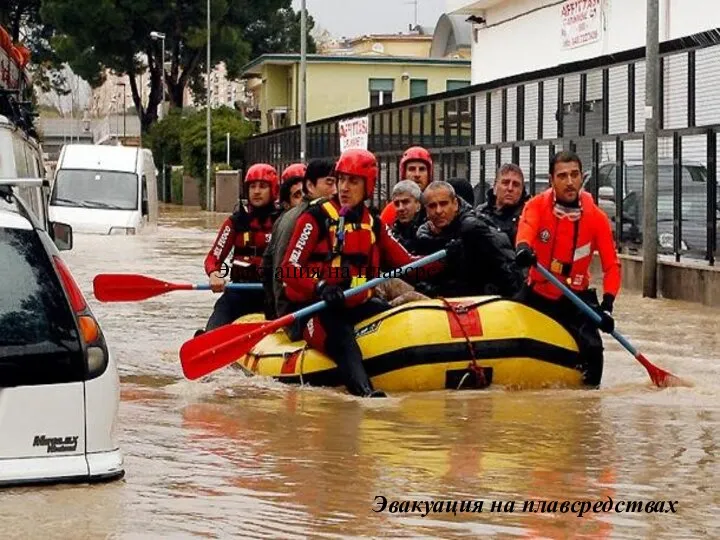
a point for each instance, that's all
(105, 189)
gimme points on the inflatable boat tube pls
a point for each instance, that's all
(461, 343)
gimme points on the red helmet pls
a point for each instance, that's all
(416, 153)
(359, 162)
(296, 170)
(262, 172)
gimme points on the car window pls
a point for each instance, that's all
(34, 311)
(607, 175)
(633, 179)
(696, 173)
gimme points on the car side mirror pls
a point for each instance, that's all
(62, 235)
(144, 208)
(606, 192)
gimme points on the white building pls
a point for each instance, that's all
(519, 36)
(564, 57)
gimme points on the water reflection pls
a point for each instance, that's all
(332, 457)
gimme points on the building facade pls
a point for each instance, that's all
(340, 84)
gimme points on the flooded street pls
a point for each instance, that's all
(229, 456)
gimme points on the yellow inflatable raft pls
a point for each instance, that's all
(462, 343)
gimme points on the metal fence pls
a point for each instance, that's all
(595, 107)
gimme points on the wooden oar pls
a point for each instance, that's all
(223, 346)
(134, 287)
(659, 377)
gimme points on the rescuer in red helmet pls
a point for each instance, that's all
(247, 233)
(337, 244)
(416, 164)
(291, 192)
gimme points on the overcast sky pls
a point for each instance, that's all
(351, 18)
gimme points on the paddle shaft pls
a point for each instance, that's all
(234, 286)
(309, 310)
(575, 299)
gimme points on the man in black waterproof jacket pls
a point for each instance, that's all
(488, 262)
(407, 198)
(505, 200)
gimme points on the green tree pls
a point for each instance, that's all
(193, 141)
(163, 138)
(115, 34)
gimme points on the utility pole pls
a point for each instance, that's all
(208, 161)
(650, 158)
(227, 139)
(303, 82)
(162, 72)
(161, 36)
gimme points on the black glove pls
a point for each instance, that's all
(525, 256)
(607, 302)
(455, 251)
(607, 324)
(332, 294)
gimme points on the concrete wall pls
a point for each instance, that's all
(227, 190)
(688, 281)
(191, 191)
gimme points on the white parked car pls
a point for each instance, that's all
(59, 384)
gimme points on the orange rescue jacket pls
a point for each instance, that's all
(566, 247)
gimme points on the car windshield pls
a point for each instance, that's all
(34, 312)
(96, 189)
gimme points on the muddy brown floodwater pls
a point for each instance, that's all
(231, 456)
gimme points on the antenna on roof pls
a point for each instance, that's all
(416, 10)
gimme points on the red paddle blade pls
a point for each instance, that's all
(131, 287)
(660, 377)
(221, 347)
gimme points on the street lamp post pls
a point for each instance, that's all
(208, 118)
(161, 37)
(124, 111)
(303, 82)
